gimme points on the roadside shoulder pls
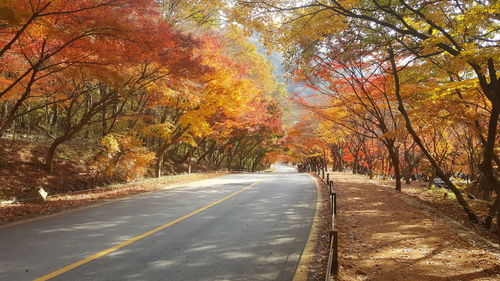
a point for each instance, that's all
(313, 261)
(18, 213)
(386, 235)
(461, 230)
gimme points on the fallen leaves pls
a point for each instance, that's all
(19, 211)
(399, 241)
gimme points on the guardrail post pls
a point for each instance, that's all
(335, 258)
(334, 202)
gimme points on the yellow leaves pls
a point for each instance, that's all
(477, 19)
(319, 24)
(239, 74)
(123, 157)
(479, 56)
(314, 154)
(200, 12)
(197, 107)
(471, 28)
(430, 45)
(331, 132)
(451, 88)
(196, 123)
(135, 163)
(295, 25)
(433, 101)
(162, 130)
(110, 145)
(389, 135)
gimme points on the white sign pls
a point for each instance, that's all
(43, 193)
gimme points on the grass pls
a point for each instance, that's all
(441, 193)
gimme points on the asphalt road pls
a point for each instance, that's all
(250, 226)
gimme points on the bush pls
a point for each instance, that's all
(121, 158)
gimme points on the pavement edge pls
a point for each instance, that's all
(101, 202)
(308, 253)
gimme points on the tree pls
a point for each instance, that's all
(362, 89)
(43, 38)
(461, 32)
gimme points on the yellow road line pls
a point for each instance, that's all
(136, 238)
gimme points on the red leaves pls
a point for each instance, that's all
(116, 66)
(53, 36)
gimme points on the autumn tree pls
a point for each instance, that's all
(43, 38)
(461, 33)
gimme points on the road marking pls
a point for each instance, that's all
(145, 234)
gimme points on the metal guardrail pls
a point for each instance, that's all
(333, 257)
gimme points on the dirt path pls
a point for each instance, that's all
(385, 235)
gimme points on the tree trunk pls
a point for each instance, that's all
(394, 155)
(49, 159)
(487, 180)
(207, 152)
(370, 168)
(160, 154)
(494, 211)
(407, 172)
(491, 90)
(355, 164)
(6, 124)
(158, 165)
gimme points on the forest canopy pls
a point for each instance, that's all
(145, 86)
(402, 89)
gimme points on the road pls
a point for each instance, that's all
(249, 226)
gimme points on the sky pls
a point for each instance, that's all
(277, 61)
